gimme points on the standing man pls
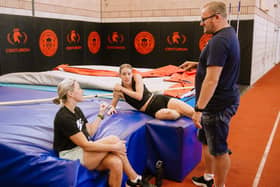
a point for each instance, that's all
(217, 95)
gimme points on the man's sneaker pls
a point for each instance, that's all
(200, 181)
(139, 183)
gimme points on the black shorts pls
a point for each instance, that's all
(157, 102)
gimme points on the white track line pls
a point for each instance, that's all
(265, 154)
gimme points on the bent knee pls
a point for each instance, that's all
(167, 114)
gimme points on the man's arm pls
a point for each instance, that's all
(207, 90)
(209, 85)
(188, 65)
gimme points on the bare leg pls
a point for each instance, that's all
(109, 139)
(167, 114)
(125, 162)
(209, 160)
(114, 164)
(222, 165)
(92, 159)
(181, 107)
(127, 167)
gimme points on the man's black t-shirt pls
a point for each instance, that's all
(66, 124)
(222, 50)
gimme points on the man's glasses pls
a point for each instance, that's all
(206, 18)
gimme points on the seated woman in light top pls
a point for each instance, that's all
(72, 138)
(135, 93)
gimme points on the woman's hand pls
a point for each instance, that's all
(112, 110)
(102, 108)
(120, 147)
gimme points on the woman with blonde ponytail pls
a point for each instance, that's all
(72, 138)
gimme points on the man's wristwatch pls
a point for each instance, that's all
(198, 109)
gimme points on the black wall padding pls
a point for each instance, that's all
(246, 45)
(73, 42)
(16, 43)
(39, 44)
(116, 47)
(146, 59)
(91, 45)
(43, 36)
(184, 47)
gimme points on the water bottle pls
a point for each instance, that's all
(159, 173)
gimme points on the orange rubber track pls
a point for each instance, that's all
(250, 130)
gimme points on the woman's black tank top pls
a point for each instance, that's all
(134, 102)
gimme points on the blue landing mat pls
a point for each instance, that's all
(26, 138)
(16, 94)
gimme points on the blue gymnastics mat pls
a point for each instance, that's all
(26, 139)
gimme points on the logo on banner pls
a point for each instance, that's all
(73, 39)
(144, 42)
(48, 42)
(176, 41)
(204, 40)
(94, 42)
(116, 41)
(17, 39)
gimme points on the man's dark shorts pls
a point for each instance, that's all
(215, 128)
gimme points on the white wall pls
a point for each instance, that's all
(83, 10)
(266, 39)
(265, 47)
(168, 10)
